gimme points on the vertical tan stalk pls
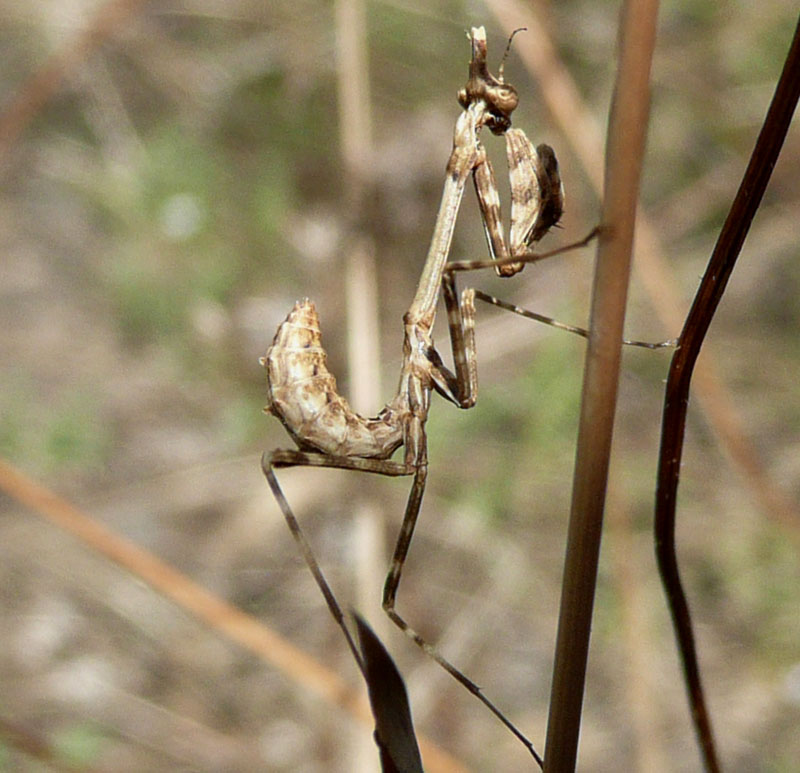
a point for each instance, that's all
(624, 152)
(355, 136)
(355, 133)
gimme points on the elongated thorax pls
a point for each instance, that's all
(302, 394)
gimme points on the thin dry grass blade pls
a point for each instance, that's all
(218, 614)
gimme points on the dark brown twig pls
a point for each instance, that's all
(676, 402)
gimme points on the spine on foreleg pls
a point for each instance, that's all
(302, 394)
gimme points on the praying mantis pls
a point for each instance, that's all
(302, 392)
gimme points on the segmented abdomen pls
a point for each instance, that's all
(302, 394)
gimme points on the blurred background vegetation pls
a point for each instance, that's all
(181, 184)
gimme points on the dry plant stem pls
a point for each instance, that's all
(626, 142)
(355, 141)
(216, 613)
(360, 276)
(712, 287)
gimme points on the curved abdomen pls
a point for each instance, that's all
(302, 394)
